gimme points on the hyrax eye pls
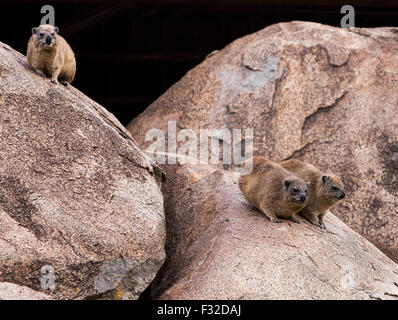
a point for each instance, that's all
(334, 188)
(41, 34)
(295, 190)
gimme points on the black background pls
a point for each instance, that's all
(251, 310)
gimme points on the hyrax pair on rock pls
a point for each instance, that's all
(50, 55)
(285, 189)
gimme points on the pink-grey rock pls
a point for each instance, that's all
(219, 247)
(76, 192)
(322, 94)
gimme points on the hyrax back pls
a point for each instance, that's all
(273, 190)
(49, 54)
(324, 191)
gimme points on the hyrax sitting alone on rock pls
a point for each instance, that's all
(324, 191)
(49, 54)
(275, 191)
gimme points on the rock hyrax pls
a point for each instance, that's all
(275, 191)
(324, 191)
(49, 54)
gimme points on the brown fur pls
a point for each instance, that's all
(270, 188)
(320, 193)
(391, 252)
(56, 59)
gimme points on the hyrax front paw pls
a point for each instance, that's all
(313, 220)
(40, 73)
(322, 226)
(294, 220)
(276, 220)
(55, 81)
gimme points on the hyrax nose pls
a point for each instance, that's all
(48, 39)
(342, 195)
(303, 197)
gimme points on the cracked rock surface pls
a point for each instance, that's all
(76, 192)
(325, 95)
(218, 247)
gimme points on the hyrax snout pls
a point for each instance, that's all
(332, 187)
(45, 35)
(297, 190)
(325, 190)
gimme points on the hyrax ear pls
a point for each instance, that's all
(287, 183)
(324, 179)
(56, 29)
(34, 30)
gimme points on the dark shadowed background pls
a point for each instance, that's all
(129, 52)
